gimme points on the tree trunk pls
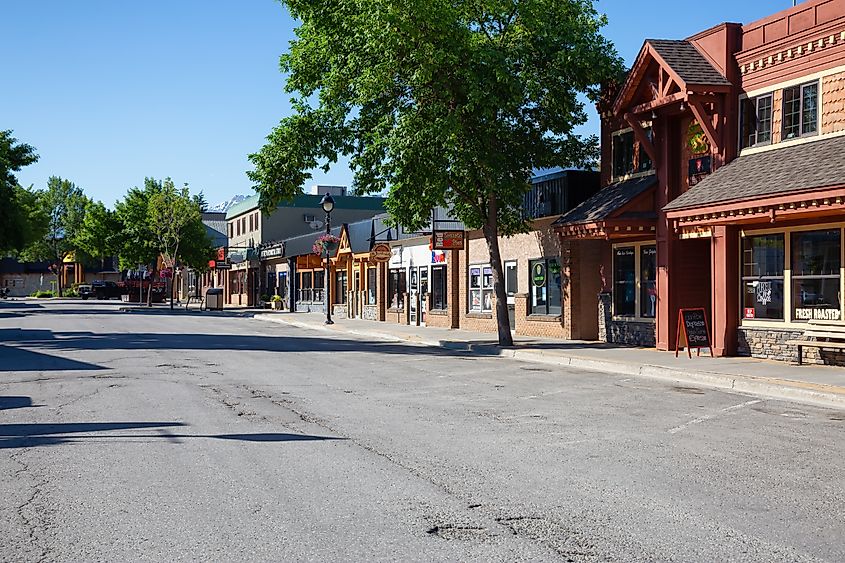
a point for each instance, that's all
(491, 234)
(150, 293)
(172, 279)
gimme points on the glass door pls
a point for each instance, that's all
(423, 277)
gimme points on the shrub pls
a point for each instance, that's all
(44, 294)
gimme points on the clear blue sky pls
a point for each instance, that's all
(111, 91)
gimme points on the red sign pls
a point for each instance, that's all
(221, 254)
(447, 240)
(166, 273)
(749, 312)
(212, 264)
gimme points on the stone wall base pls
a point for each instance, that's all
(770, 344)
(629, 333)
(369, 312)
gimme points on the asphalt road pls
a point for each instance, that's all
(151, 437)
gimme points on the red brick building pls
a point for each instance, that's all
(723, 166)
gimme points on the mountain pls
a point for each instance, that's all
(224, 206)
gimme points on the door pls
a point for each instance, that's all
(412, 296)
(423, 292)
(356, 294)
(511, 288)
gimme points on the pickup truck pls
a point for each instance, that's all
(102, 290)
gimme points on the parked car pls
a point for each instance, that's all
(103, 290)
(84, 290)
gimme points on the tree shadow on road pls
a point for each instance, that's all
(29, 435)
(13, 358)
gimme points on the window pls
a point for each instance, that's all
(396, 288)
(319, 284)
(305, 287)
(800, 110)
(308, 218)
(545, 286)
(438, 287)
(756, 121)
(372, 285)
(480, 288)
(628, 156)
(255, 215)
(624, 281)
(511, 280)
(815, 275)
(231, 230)
(238, 227)
(648, 281)
(251, 226)
(762, 276)
(340, 287)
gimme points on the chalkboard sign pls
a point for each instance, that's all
(692, 323)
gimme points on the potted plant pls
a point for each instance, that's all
(325, 245)
(277, 302)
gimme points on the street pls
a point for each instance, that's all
(148, 436)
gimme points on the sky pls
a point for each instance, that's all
(112, 91)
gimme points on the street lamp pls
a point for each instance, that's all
(327, 203)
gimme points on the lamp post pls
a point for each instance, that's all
(327, 203)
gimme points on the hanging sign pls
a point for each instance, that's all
(692, 324)
(447, 240)
(381, 252)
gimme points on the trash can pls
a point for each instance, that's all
(214, 298)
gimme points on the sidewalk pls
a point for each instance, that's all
(819, 385)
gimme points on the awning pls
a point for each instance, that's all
(623, 209)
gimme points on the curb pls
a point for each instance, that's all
(818, 394)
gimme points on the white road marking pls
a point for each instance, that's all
(714, 415)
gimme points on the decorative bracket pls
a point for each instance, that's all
(641, 136)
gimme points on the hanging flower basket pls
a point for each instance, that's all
(325, 245)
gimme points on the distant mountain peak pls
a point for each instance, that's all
(224, 206)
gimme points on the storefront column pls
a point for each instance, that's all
(725, 284)
(666, 137)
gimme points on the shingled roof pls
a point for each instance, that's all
(789, 169)
(688, 62)
(606, 201)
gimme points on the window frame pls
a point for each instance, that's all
(434, 283)
(789, 305)
(397, 286)
(801, 110)
(636, 166)
(742, 120)
(638, 280)
(483, 289)
(372, 285)
(547, 308)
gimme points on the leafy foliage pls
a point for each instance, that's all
(100, 234)
(439, 102)
(16, 204)
(137, 243)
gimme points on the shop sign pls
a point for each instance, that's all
(693, 331)
(221, 254)
(223, 266)
(236, 257)
(538, 274)
(698, 168)
(750, 313)
(272, 252)
(816, 314)
(212, 264)
(448, 240)
(381, 252)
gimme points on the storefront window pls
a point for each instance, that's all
(396, 287)
(480, 288)
(624, 281)
(372, 285)
(319, 286)
(511, 280)
(438, 287)
(648, 281)
(762, 277)
(815, 275)
(545, 278)
(800, 110)
(756, 121)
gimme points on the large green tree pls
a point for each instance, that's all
(439, 102)
(175, 219)
(63, 205)
(100, 234)
(138, 245)
(16, 206)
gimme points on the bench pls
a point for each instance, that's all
(825, 334)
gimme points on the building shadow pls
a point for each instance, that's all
(30, 435)
(13, 358)
(12, 402)
(207, 342)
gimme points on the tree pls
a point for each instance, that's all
(100, 232)
(63, 205)
(16, 211)
(440, 102)
(138, 244)
(176, 221)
